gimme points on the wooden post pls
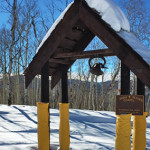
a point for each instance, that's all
(64, 129)
(125, 80)
(64, 84)
(141, 89)
(45, 83)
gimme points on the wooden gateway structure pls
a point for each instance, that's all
(65, 42)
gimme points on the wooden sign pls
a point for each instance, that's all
(127, 104)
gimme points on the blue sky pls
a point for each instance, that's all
(4, 16)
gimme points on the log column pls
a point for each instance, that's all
(125, 79)
(45, 83)
(141, 89)
(43, 111)
(64, 129)
(64, 84)
(139, 122)
(123, 123)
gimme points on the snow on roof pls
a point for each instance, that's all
(136, 44)
(110, 13)
(107, 9)
(113, 15)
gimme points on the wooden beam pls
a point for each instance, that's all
(64, 84)
(141, 89)
(123, 51)
(51, 71)
(59, 61)
(86, 54)
(45, 83)
(125, 79)
(51, 44)
(56, 77)
(80, 46)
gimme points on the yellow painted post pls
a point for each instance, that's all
(43, 126)
(139, 132)
(64, 130)
(123, 132)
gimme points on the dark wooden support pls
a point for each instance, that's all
(59, 61)
(80, 46)
(141, 89)
(125, 79)
(64, 84)
(85, 54)
(45, 83)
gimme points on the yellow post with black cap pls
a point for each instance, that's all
(43, 126)
(123, 132)
(139, 132)
(64, 130)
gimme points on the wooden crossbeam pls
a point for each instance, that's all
(86, 54)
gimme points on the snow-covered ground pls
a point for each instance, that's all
(89, 130)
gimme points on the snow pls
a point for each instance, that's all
(88, 129)
(136, 44)
(110, 13)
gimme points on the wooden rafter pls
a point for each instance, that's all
(80, 46)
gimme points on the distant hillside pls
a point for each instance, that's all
(73, 81)
(37, 82)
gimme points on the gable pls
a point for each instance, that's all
(73, 33)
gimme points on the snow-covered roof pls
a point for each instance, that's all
(136, 44)
(110, 13)
(114, 16)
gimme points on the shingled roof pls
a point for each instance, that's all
(75, 29)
